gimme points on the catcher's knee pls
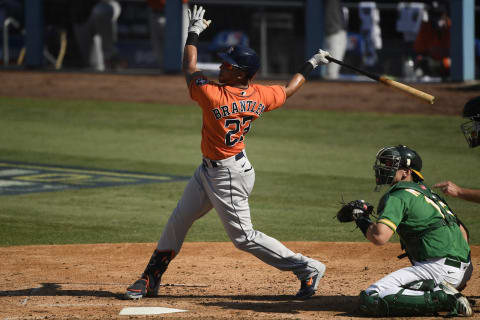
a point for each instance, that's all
(371, 304)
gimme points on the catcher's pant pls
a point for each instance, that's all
(225, 185)
(455, 272)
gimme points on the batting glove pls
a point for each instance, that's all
(196, 22)
(319, 58)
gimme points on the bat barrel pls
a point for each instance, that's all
(389, 82)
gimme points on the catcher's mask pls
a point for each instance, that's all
(390, 159)
(242, 58)
(471, 128)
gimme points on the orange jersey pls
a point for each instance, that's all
(228, 113)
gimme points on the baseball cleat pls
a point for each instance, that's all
(147, 285)
(462, 306)
(309, 286)
(137, 290)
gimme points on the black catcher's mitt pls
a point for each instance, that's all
(353, 210)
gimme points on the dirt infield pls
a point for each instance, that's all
(209, 280)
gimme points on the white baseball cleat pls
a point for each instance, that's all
(462, 306)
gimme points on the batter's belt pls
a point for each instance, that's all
(221, 163)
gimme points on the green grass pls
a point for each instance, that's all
(305, 161)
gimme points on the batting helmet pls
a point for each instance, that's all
(471, 129)
(243, 58)
(390, 159)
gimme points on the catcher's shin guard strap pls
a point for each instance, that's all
(192, 39)
(363, 223)
(305, 70)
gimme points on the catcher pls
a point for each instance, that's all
(434, 239)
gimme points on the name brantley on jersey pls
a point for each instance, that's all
(245, 106)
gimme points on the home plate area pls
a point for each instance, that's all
(143, 311)
(207, 280)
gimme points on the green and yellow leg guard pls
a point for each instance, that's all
(431, 302)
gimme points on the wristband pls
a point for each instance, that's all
(306, 69)
(192, 39)
(363, 223)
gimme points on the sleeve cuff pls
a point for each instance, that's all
(389, 224)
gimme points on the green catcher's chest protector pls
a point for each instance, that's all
(412, 241)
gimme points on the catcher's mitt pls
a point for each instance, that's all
(353, 210)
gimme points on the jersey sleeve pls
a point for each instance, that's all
(273, 96)
(202, 90)
(392, 212)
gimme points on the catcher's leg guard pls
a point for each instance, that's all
(431, 302)
(149, 282)
(372, 305)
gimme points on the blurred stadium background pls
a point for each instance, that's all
(284, 32)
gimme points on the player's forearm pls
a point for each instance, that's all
(196, 25)
(294, 84)
(469, 194)
(378, 234)
(189, 59)
(300, 77)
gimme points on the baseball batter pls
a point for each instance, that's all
(434, 238)
(226, 177)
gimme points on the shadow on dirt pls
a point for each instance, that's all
(54, 289)
(345, 305)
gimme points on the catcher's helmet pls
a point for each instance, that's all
(243, 58)
(471, 129)
(390, 159)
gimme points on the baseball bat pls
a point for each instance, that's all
(388, 82)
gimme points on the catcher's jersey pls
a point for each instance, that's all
(228, 113)
(427, 230)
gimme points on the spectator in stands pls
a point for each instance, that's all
(432, 44)
(158, 21)
(95, 27)
(335, 35)
(157, 27)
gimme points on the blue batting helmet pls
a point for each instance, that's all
(243, 58)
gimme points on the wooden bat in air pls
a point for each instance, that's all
(388, 82)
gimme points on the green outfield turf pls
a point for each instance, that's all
(305, 161)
